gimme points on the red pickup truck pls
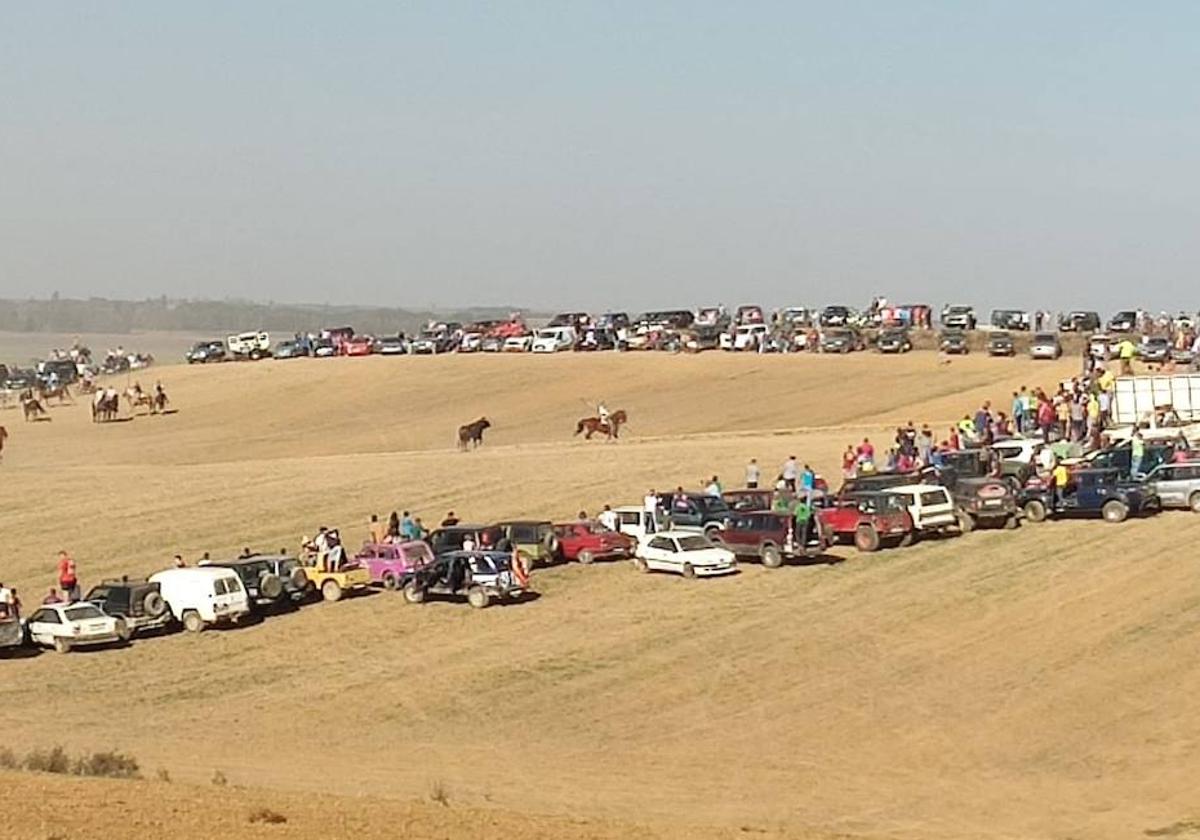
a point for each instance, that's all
(585, 541)
(868, 519)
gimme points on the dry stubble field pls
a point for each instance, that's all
(1029, 684)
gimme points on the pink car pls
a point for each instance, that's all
(392, 564)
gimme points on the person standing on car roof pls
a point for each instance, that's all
(753, 474)
(789, 473)
(608, 519)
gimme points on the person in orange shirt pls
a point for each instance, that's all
(379, 531)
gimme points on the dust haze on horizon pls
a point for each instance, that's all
(602, 155)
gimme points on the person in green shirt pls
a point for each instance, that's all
(801, 514)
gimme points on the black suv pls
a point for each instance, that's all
(264, 588)
(139, 602)
(206, 351)
(1000, 343)
(981, 498)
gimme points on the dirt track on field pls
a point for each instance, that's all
(1029, 684)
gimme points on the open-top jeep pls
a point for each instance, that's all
(332, 574)
(1101, 492)
(481, 576)
(774, 537)
(139, 602)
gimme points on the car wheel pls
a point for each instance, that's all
(1194, 502)
(1035, 511)
(270, 586)
(331, 590)
(585, 557)
(62, 645)
(390, 581)
(688, 571)
(771, 558)
(1114, 511)
(866, 538)
(153, 605)
(414, 594)
(1011, 523)
(192, 622)
(641, 565)
(477, 597)
(966, 524)
(123, 631)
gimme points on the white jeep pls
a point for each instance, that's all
(202, 596)
(249, 345)
(930, 506)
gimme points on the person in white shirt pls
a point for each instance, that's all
(753, 474)
(608, 519)
(650, 506)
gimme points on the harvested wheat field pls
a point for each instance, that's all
(1028, 684)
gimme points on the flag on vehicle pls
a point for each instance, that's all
(519, 569)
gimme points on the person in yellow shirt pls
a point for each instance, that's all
(1107, 380)
(1061, 476)
(1126, 350)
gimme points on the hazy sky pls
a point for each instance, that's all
(596, 154)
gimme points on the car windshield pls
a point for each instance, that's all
(525, 534)
(712, 504)
(82, 613)
(547, 334)
(837, 333)
(1000, 336)
(696, 543)
(1045, 338)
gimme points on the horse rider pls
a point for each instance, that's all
(602, 412)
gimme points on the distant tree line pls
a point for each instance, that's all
(100, 315)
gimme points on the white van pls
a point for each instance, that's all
(929, 505)
(553, 339)
(198, 597)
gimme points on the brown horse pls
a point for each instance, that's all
(3, 437)
(472, 434)
(136, 397)
(594, 425)
(106, 406)
(32, 408)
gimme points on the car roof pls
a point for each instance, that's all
(675, 534)
(504, 522)
(207, 572)
(913, 488)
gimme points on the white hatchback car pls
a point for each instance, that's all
(685, 553)
(64, 626)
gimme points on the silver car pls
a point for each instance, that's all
(1045, 346)
(1177, 485)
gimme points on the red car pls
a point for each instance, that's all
(358, 345)
(868, 519)
(587, 541)
(508, 329)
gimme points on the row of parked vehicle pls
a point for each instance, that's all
(693, 534)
